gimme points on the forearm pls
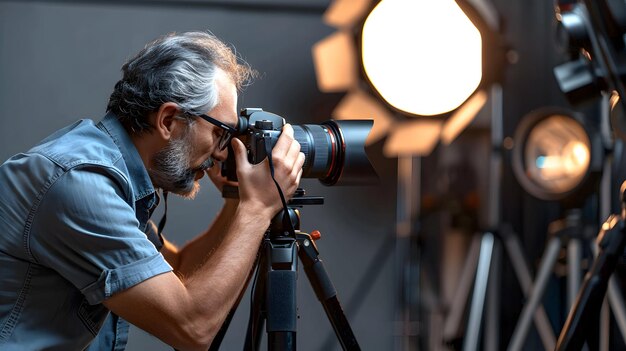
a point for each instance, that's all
(191, 310)
(215, 285)
(191, 256)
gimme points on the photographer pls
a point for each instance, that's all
(75, 209)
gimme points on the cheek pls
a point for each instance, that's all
(204, 147)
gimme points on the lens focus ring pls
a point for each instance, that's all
(315, 143)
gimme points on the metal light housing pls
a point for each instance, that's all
(557, 156)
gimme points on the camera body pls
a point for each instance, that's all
(259, 128)
(255, 128)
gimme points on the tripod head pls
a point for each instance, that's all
(279, 227)
(299, 197)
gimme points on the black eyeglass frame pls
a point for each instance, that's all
(228, 131)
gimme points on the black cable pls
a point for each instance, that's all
(251, 325)
(163, 219)
(286, 218)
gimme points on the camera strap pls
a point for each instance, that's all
(286, 219)
(163, 219)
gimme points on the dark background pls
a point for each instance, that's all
(59, 61)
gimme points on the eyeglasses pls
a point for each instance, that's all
(227, 131)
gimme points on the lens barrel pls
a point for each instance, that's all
(335, 152)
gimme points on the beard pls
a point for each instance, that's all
(172, 170)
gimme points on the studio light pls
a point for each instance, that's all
(423, 57)
(401, 59)
(556, 156)
(596, 52)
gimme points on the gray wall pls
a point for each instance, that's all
(60, 60)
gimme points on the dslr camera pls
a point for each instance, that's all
(334, 150)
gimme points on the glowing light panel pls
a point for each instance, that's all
(424, 57)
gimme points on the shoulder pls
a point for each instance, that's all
(79, 143)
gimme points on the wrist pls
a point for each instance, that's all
(257, 210)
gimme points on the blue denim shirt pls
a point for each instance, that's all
(73, 211)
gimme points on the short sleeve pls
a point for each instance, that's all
(85, 230)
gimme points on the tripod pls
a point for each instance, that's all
(274, 285)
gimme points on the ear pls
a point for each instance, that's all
(164, 121)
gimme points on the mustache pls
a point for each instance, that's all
(204, 166)
(186, 181)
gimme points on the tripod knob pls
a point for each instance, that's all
(316, 235)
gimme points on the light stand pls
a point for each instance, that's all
(483, 262)
(586, 310)
(598, 281)
(572, 230)
(546, 171)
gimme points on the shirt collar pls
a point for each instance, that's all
(140, 179)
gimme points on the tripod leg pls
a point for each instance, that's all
(281, 293)
(217, 341)
(325, 292)
(258, 309)
(373, 272)
(523, 324)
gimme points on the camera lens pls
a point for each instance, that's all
(335, 152)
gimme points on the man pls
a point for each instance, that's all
(73, 209)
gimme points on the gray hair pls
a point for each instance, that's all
(179, 68)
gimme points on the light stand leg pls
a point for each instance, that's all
(514, 250)
(616, 302)
(407, 313)
(523, 324)
(452, 324)
(492, 314)
(605, 323)
(574, 257)
(478, 297)
(617, 306)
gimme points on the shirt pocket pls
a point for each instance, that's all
(92, 316)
